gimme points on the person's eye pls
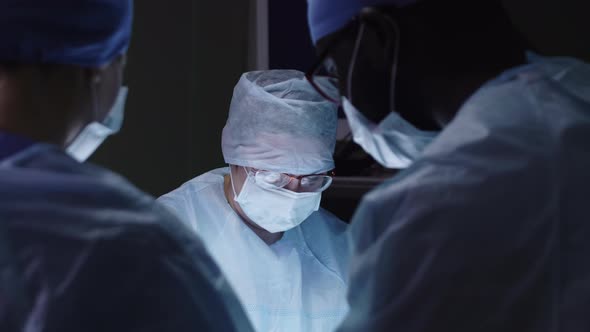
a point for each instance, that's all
(311, 181)
(272, 178)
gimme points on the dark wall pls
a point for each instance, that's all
(183, 63)
(555, 28)
(290, 45)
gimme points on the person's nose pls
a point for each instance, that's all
(294, 185)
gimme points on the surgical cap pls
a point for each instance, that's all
(278, 122)
(328, 16)
(87, 33)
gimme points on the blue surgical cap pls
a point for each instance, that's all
(328, 16)
(87, 33)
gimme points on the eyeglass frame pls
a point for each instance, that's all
(330, 174)
(309, 75)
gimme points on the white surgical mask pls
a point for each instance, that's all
(393, 143)
(92, 136)
(275, 209)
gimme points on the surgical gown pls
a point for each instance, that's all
(83, 250)
(296, 284)
(489, 230)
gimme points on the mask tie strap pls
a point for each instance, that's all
(231, 177)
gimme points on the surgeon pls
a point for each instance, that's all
(487, 230)
(81, 249)
(260, 217)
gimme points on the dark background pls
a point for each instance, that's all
(183, 63)
(185, 60)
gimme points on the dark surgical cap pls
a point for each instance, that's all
(87, 33)
(328, 16)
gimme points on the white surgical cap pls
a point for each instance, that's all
(278, 122)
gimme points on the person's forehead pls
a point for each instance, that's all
(291, 142)
(283, 153)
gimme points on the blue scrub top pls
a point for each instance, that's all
(12, 143)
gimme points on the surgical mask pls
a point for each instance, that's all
(393, 143)
(272, 208)
(92, 136)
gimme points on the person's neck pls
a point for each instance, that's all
(33, 134)
(33, 117)
(36, 132)
(266, 236)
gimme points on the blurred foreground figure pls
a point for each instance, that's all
(488, 229)
(81, 249)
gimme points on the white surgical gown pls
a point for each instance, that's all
(89, 252)
(296, 284)
(490, 229)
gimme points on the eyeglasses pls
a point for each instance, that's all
(325, 69)
(306, 183)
